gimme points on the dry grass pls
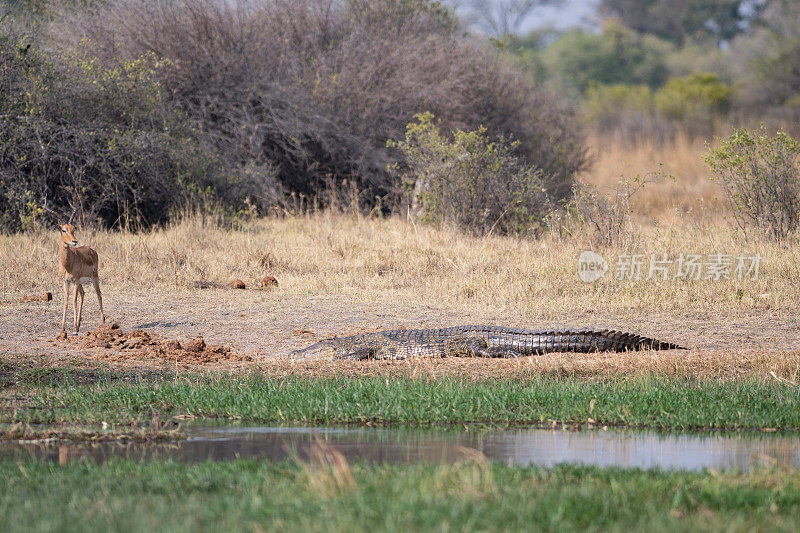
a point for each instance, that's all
(327, 471)
(340, 274)
(389, 259)
(701, 364)
(692, 194)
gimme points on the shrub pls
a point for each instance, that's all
(625, 110)
(606, 100)
(469, 180)
(692, 104)
(761, 178)
(316, 87)
(578, 60)
(99, 139)
(605, 217)
(695, 100)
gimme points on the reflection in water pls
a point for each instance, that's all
(515, 446)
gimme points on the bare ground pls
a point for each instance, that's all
(258, 328)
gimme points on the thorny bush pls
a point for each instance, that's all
(761, 178)
(96, 139)
(315, 88)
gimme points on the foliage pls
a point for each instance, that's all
(693, 104)
(501, 18)
(761, 178)
(604, 100)
(778, 74)
(624, 109)
(771, 80)
(470, 181)
(695, 100)
(723, 19)
(315, 88)
(680, 19)
(96, 139)
(579, 60)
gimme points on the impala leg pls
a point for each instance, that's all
(64, 315)
(75, 307)
(78, 292)
(96, 283)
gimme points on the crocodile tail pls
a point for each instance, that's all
(621, 341)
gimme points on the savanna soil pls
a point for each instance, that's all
(343, 274)
(239, 330)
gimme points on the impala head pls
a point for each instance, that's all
(67, 229)
(68, 235)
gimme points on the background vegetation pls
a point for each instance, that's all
(264, 101)
(659, 68)
(131, 111)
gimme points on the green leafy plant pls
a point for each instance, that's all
(622, 109)
(761, 178)
(694, 100)
(577, 60)
(469, 180)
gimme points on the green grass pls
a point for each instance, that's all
(664, 403)
(252, 496)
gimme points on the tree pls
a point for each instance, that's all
(502, 18)
(724, 19)
(657, 17)
(618, 55)
(773, 73)
(680, 19)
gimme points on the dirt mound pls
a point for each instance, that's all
(46, 297)
(237, 284)
(269, 282)
(138, 343)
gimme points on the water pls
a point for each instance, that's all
(544, 447)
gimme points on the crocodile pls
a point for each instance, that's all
(479, 341)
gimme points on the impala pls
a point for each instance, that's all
(78, 265)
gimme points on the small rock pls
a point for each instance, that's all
(195, 345)
(237, 284)
(269, 281)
